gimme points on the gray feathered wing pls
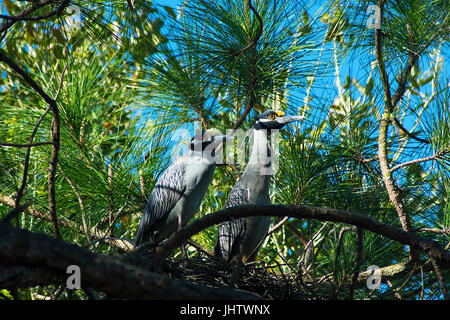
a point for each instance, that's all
(167, 191)
(231, 233)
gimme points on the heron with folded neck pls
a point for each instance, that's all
(179, 191)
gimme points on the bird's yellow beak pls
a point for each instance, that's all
(280, 113)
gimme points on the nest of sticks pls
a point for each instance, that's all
(271, 282)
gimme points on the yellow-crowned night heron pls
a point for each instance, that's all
(241, 238)
(179, 191)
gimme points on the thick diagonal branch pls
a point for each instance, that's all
(306, 212)
(31, 259)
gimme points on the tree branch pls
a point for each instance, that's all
(52, 170)
(80, 201)
(413, 57)
(258, 35)
(441, 281)
(27, 161)
(55, 135)
(95, 233)
(359, 254)
(18, 145)
(408, 163)
(24, 15)
(278, 225)
(305, 212)
(31, 259)
(409, 134)
(252, 68)
(336, 256)
(392, 191)
(297, 234)
(198, 110)
(435, 230)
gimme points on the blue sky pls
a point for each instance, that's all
(172, 3)
(350, 66)
(356, 66)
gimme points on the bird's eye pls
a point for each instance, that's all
(272, 117)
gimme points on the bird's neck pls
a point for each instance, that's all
(261, 157)
(199, 157)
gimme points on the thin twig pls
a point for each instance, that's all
(26, 77)
(401, 89)
(435, 230)
(412, 59)
(14, 212)
(339, 243)
(408, 163)
(27, 161)
(277, 226)
(61, 80)
(258, 35)
(199, 247)
(142, 185)
(359, 240)
(309, 248)
(24, 15)
(336, 256)
(291, 227)
(80, 201)
(437, 270)
(297, 233)
(129, 244)
(409, 134)
(55, 135)
(252, 67)
(110, 193)
(17, 145)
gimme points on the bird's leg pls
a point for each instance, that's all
(180, 226)
(237, 270)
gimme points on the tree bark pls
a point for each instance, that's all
(307, 212)
(31, 259)
(394, 195)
